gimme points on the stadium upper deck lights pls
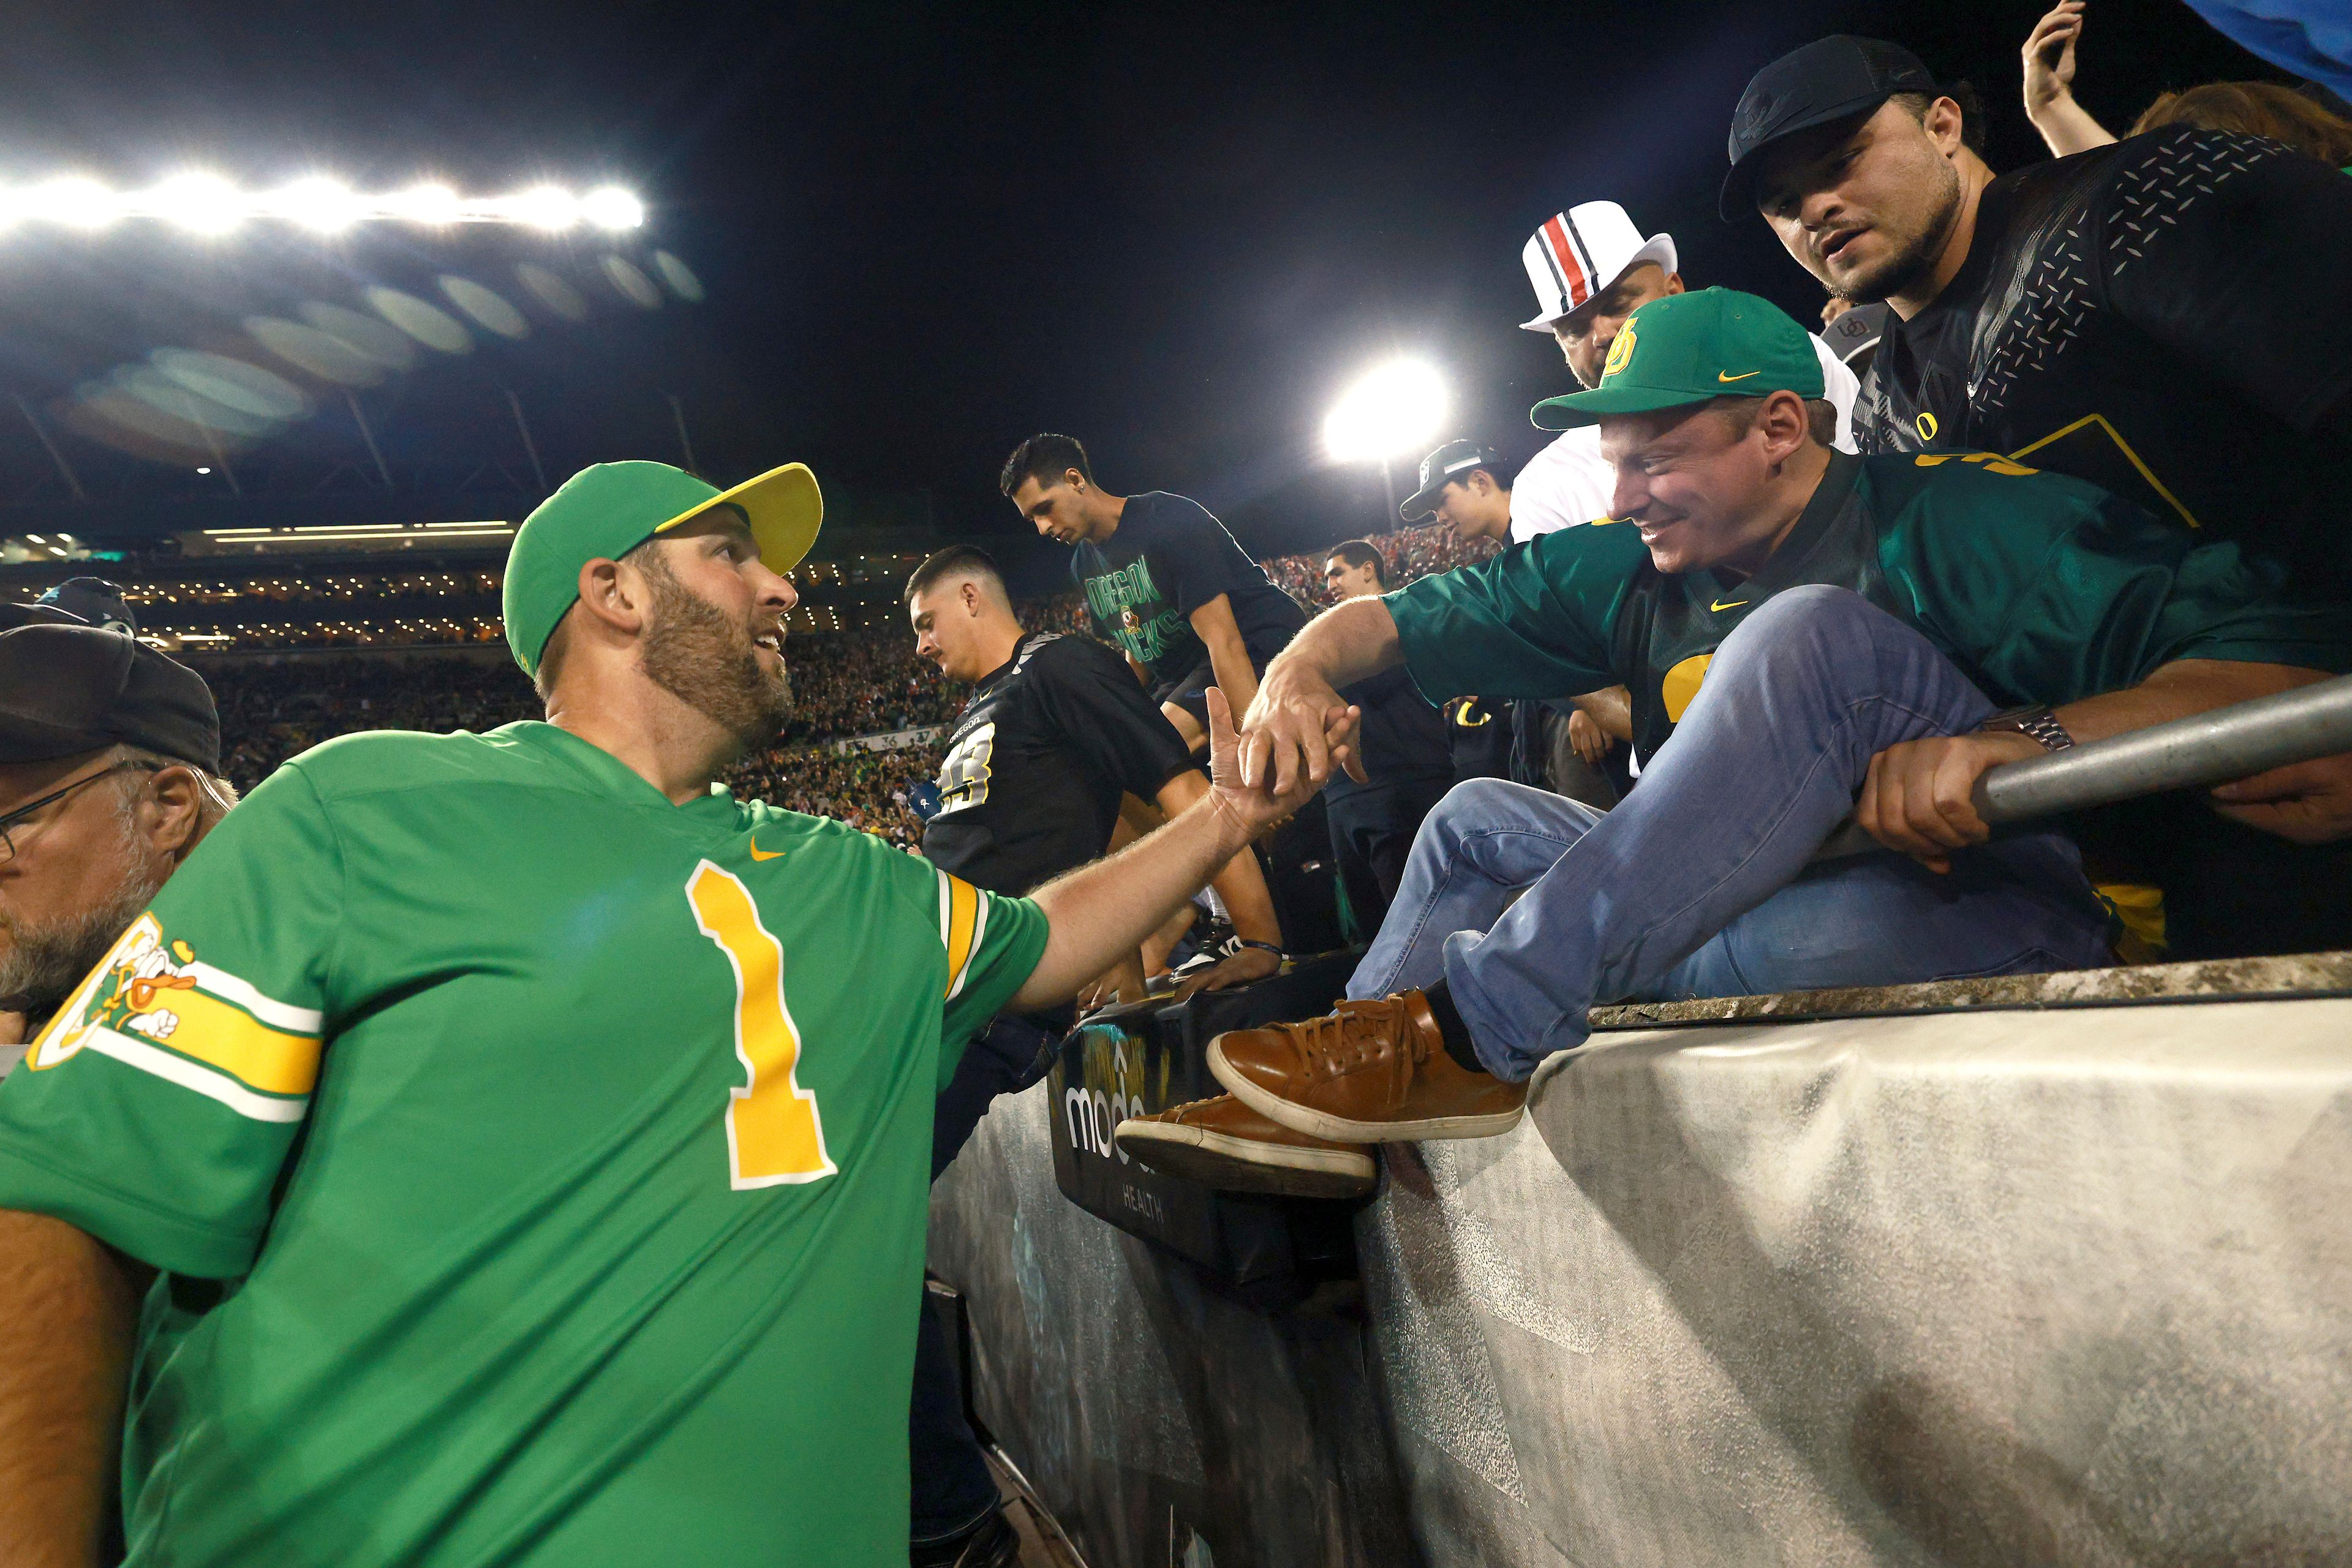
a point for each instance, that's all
(1390, 412)
(208, 203)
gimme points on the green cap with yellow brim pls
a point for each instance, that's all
(1690, 348)
(606, 511)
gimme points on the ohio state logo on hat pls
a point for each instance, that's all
(1580, 252)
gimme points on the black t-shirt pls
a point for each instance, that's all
(2165, 317)
(1404, 739)
(1479, 736)
(1047, 742)
(1169, 557)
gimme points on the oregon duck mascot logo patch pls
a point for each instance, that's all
(1621, 349)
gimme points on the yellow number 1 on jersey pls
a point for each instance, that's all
(773, 1133)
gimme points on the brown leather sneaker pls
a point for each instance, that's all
(1372, 1072)
(1224, 1144)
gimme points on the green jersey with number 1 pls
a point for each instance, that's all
(539, 1167)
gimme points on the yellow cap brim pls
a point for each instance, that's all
(783, 507)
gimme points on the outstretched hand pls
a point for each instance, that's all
(1259, 799)
(1296, 732)
(2308, 803)
(2050, 55)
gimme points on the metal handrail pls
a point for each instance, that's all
(2209, 748)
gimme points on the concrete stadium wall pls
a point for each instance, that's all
(1983, 1288)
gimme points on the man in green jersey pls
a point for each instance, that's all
(529, 1141)
(1797, 626)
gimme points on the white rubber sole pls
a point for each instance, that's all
(1320, 1124)
(1234, 1164)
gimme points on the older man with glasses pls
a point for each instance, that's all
(109, 760)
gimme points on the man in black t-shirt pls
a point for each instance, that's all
(1404, 747)
(1162, 579)
(2161, 316)
(1054, 733)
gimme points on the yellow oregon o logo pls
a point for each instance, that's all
(1621, 349)
(1928, 425)
(1681, 684)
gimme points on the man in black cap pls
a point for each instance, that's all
(110, 757)
(1405, 750)
(2156, 316)
(94, 600)
(1561, 744)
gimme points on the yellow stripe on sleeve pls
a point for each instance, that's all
(960, 909)
(253, 1053)
(151, 1006)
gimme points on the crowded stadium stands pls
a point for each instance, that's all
(1669, 1094)
(286, 687)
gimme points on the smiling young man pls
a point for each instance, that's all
(1162, 579)
(2159, 316)
(1798, 628)
(534, 1137)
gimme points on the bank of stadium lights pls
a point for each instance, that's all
(1393, 411)
(206, 204)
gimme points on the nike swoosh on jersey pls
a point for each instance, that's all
(1718, 604)
(759, 854)
(1743, 375)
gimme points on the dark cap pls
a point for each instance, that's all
(1449, 464)
(93, 600)
(1828, 79)
(67, 687)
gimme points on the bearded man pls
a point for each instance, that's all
(109, 764)
(2158, 316)
(535, 1137)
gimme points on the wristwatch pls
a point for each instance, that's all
(2039, 724)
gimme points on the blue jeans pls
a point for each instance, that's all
(1698, 884)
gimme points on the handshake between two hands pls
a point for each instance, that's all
(1289, 744)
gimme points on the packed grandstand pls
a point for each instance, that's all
(846, 684)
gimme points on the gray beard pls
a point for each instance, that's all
(712, 665)
(42, 964)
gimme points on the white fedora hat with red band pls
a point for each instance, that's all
(1580, 252)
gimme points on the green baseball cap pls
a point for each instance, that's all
(1688, 348)
(606, 512)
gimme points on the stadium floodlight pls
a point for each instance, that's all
(1387, 413)
(208, 203)
(327, 206)
(429, 203)
(201, 203)
(551, 208)
(611, 207)
(73, 201)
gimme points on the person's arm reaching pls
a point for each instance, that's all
(61, 1393)
(1299, 725)
(1602, 719)
(2066, 125)
(1916, 796)
(1241, 886)
(1098, 913)
(2309, 802)
(1214, 624)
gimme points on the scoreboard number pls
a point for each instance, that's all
(774, 1134)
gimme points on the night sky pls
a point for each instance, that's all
(928, 230)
